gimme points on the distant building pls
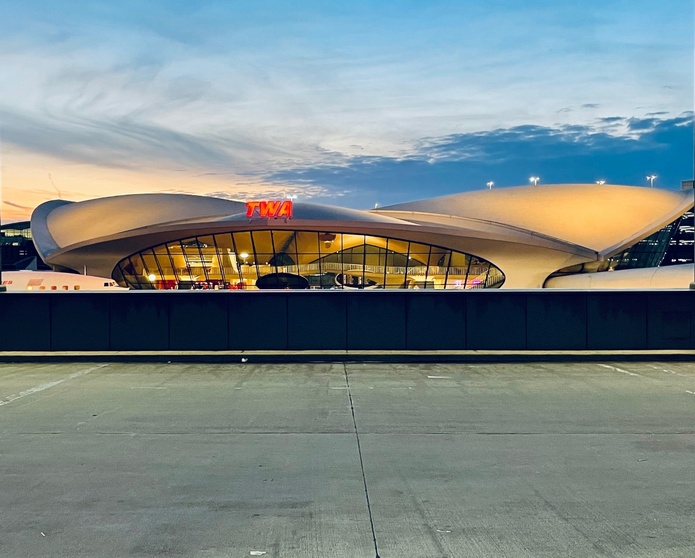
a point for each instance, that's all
(562, 236)
(18, 250)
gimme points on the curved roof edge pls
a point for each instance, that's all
(303, 212)
(667, 277)
(66, 224)
(93, 219)
(601, 217)
(482, 228)
(43, 239)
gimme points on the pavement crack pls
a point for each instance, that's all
(359, 452)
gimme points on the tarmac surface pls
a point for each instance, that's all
(119, 459)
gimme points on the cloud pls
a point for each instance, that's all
(123, 142)
(561, 154)
(18, 206)
(297, 75)
(303, 192)
(639, 124)
(614, 148)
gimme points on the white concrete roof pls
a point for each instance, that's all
(603, 218)
(529, 232)
(61, 224)
(73, 223)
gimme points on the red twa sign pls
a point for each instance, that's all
(277, 209)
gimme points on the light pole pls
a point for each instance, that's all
(600, 182)
(534, 179)
(651, 179)
(490, 185)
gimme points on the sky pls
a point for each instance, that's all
(347, 103)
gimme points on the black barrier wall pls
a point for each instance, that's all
(340, 320)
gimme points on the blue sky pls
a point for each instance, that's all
(347, 103)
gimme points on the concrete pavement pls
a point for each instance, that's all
(116, 459)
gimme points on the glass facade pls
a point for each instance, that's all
(680, 248)
(303, 259)
(17, 250)
(648, 252)
(669, 246)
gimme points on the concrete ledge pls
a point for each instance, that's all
(243, 357)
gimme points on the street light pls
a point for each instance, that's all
(651, 178)
(490, 185)
(534, 179)
(600, 182)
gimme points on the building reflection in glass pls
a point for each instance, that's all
(302, 259)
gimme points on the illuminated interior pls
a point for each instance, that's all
(303, 260)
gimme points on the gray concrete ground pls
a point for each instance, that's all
(215, 460)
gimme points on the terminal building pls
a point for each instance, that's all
(551, 236)
(17, 250)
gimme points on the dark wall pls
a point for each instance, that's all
(342, 320)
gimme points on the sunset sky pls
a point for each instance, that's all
(347, 103)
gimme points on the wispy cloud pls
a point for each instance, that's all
(563, 154)
(304, 75)
(366, 101)
(16, 205)
(127, 143)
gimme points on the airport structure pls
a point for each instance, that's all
(17, 250)
(527, 237)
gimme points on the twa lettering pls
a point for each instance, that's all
(275, 209)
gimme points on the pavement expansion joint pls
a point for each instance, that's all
(359, 452)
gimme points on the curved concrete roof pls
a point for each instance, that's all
(61, 224)
(315, 212)
(72, 223)
(603, 218)
(528, 232)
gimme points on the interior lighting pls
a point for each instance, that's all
(327, 239)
